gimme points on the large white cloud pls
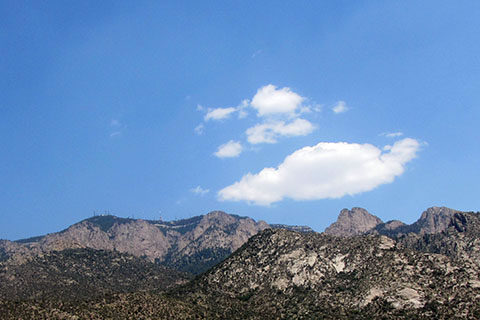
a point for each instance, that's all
(326, 170)
(269, 132)
(270, 101)
(230, 149)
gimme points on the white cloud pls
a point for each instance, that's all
(230, 149)
(340, 107)
(269, 132)
(115, 134)
(326, 170)
(242, 113)
(199, 129)
(199, 190)
(392, 134)
(270, 101)
(318, 108)
(219, 113)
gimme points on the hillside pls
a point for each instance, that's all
(292, 275)
(77, 274)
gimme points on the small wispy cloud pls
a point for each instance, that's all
(115, 134)
(269, 132)
(219, 113)
(199, 190)
(340, 107)
(392, 134)
(241, 109)
(116, 128)
(199, 129)
(256, 53)
(231, 149)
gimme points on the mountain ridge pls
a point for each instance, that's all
(280, 273)
(193, 245)
(359, 221)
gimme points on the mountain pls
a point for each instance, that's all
(353, 222)
(359, 221)
(432, 220)
(76, 274)
(191, 245)
(285, 274)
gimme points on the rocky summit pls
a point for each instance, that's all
(353, 222)
(359, 221)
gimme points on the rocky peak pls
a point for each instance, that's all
(353, 222)
(433, 220)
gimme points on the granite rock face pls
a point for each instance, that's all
(432, 220)
(353, 222)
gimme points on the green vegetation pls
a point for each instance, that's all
(197, 263)
(29, 240)
(75, 274)
(105, 222)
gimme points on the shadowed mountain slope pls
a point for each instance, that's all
(77, 274)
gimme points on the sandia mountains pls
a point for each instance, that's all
(107, 267)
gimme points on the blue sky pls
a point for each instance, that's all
(125, 106)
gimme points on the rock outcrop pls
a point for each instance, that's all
(358, 221)
(432, 220)
(353, 222)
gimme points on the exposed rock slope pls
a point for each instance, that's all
(353, 222)
(432, 220)
(284, 274)
(191, 245)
